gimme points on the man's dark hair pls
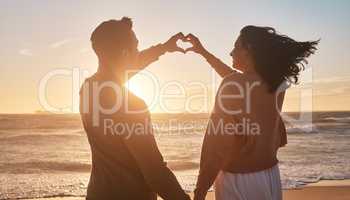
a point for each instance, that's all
(112, 36)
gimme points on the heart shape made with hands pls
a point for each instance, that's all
(184, 44)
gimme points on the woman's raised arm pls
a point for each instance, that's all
(221, 68)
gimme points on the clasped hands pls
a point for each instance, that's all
(172, 46)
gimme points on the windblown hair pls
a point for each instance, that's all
(112, 36)
(277, 57)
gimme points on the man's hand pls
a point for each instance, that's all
(171, 46)
(197, 45)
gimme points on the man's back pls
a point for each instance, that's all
(126, 162)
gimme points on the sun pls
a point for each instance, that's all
(146, 90)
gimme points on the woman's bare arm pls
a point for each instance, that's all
(220, 67)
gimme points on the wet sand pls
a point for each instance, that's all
(323, 190)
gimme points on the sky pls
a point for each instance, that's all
(43, 37)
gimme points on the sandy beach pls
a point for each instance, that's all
(323, 190)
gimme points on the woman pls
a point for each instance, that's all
(245, 129)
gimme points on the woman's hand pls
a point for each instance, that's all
(197, 46)
(171, 46)
(221, 68)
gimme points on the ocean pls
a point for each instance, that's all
(48, 155)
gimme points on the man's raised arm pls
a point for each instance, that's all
(152, 54)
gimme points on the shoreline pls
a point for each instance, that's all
(322, 190)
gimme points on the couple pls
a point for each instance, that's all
(240, 162)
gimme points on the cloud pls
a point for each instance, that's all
(332, 79)
(60, 43)
(333, 86)
(335, 91)
(84, 50)
(25, 52)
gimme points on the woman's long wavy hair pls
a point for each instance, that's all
(277, 57)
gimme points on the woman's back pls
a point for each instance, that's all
(244, 132)
(258, 128)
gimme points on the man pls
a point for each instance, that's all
(126, 162)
